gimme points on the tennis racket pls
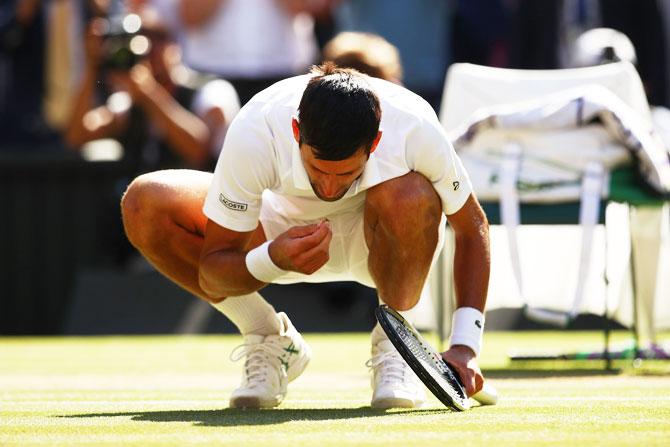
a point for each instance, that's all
(440, 378)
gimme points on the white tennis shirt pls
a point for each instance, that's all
(260, 161)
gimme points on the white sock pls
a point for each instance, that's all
(251, 314)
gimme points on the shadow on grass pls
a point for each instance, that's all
(531, 372)
(229, 417)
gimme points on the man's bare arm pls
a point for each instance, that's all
(185, 132)
(223, 270)
(472, 257)
(472, 262)
(88, 121)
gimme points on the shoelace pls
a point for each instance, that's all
(393, 367)
(259, 357)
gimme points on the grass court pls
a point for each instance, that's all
(173, 390)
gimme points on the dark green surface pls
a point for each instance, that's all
(625, 187)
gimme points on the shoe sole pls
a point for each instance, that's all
(395, 402)
(251, 403)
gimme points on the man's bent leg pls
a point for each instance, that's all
(401, 224)
(402, 218)
(163, 218)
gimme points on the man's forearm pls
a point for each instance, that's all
(187, 134)
(472, 265)
(76, 133)
(224, 273)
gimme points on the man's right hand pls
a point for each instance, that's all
(303, 249)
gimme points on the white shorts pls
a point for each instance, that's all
(348, 249)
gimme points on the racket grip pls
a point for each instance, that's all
(488, 395)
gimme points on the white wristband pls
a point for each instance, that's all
(467, 327)
(260, 264)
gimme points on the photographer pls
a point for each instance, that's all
(155, 110)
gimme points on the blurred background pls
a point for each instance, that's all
(96, 92)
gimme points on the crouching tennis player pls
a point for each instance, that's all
(330, 176)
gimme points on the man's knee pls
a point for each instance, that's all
(404, 202)
(161, 202)
(401, 303)
(140, 206)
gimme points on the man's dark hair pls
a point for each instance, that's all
(338, 113)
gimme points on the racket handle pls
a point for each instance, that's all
(488, 395)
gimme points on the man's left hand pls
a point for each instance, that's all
(464, 361)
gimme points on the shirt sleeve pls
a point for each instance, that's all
(430, 153)
(246, 167)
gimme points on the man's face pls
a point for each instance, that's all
(331, 180)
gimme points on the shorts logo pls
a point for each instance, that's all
(235, 206)
(456, 185)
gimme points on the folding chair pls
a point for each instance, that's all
(469, 89)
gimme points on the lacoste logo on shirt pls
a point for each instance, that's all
(235, 206)
(478, 324)
(456, 185)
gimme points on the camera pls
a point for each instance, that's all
(123, 43)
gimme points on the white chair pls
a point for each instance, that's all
(470, 89)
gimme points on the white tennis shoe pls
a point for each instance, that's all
(272, 361)
(394, 383)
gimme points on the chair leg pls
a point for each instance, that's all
(606, 317)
